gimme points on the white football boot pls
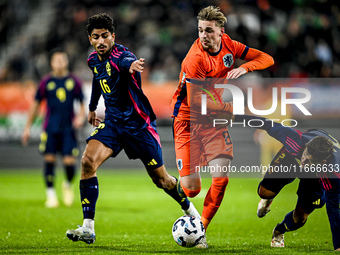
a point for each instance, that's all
(264, 207)
(202, 244)
(278, 239)
(192, 211)
(81, 234)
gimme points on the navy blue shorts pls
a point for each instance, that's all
(310, 192)
(310, 195)
(143, 144)
(64, 142)
(275, 181)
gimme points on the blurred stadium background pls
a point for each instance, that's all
(303, 36)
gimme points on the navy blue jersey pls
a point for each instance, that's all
(124, 99)
(60, 94)
(295, 142)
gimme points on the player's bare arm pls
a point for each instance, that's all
(31, 116)
(137, 65)
(80, 119)
(93, 119)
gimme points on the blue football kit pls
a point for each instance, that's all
(60, 94)
(317, 185)
(130, 122)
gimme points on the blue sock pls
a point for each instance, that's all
(89, 192)
(288, 224)
(49, 174)
(70, 172)
(183, 201)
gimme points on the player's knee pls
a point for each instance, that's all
(87, 165)
(191, 186)
(68, 160)
(261, 192)
(191, 191)
(265, 193)
(50, 158)
(293, 223)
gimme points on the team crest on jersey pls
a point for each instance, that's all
(228, 60)
(51, 85)
(179, 164)
(108, 68)
(69, 84)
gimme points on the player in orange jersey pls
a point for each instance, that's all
(212, 55)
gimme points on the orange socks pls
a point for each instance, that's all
(213, 199)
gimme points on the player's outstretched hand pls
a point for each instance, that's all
(93, 119)
(137, 65)
(235, 73)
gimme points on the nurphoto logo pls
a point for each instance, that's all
(238, 100)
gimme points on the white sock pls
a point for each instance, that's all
(50, 192)
(89, 223)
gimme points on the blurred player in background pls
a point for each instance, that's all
(129, 124)
(60, 89)
(314, 156)
(212, 55)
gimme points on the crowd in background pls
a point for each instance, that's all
(13, 15)
(303, 36)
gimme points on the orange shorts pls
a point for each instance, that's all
(196, 145)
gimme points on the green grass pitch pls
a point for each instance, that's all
(135, 217)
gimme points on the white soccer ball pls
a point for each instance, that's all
(187, 231)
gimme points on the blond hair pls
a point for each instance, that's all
(212, 13)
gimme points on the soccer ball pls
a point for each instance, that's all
(187, 231)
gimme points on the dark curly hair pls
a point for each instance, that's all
(99, 21)
(320, 148)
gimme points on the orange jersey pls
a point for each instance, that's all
(200, 64)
